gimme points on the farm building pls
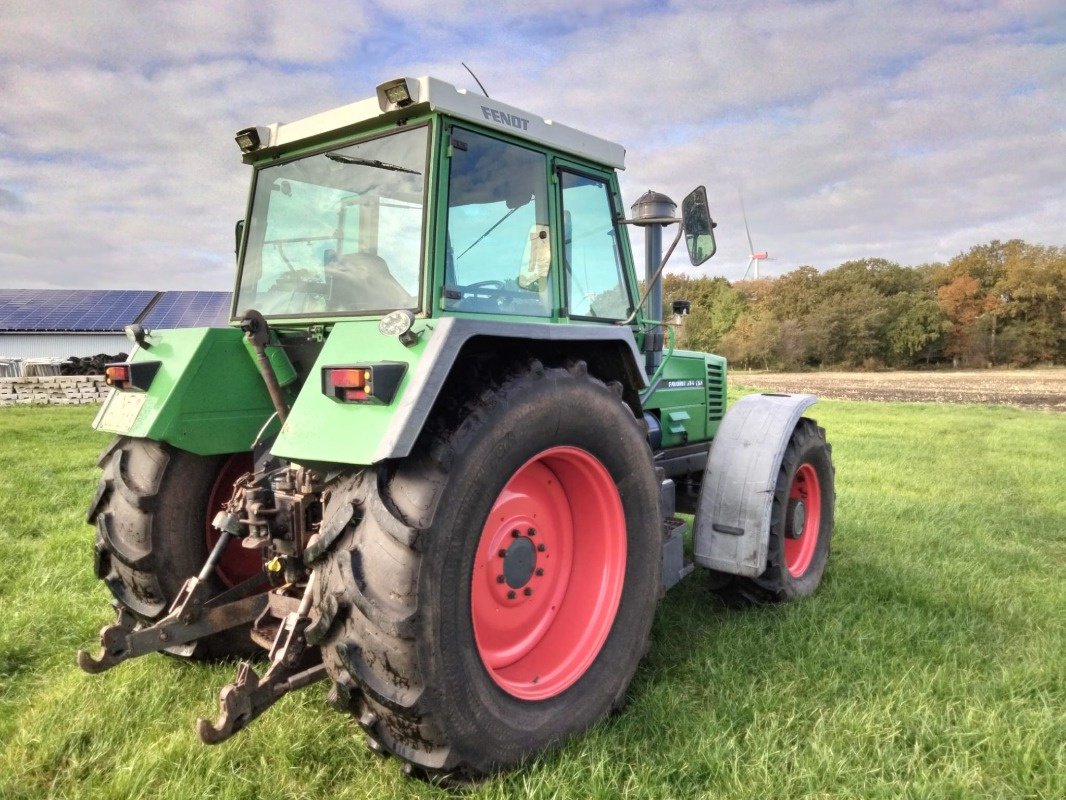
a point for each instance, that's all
(59, 324)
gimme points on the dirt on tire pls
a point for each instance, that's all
(1043, 389)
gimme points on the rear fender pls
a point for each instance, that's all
(207, 396)
(733, 514)
(322, 431)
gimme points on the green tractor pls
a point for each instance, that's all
(437, 458)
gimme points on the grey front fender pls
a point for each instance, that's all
(732, 530)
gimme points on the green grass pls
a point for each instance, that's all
(931, 664)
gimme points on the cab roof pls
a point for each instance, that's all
(432, 95)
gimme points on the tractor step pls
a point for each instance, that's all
(265, 630)
(674, 566)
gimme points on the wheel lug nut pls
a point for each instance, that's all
(515, 533)
(527, 591)
(540, 570)
(541, 548)
(500, 579)
(531, 532)
(502, 553)
(511, 595)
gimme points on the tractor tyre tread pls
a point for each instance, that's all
(147, 519)
(371, 580)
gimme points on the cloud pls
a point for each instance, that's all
(905, 130)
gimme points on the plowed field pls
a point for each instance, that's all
(1036, 389)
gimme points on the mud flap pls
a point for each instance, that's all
(733, 515)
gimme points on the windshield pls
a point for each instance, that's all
(338, 232)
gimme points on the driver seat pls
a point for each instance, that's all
(362, 281)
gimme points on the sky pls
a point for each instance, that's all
(909, 131)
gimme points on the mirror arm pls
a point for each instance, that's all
(659, 271)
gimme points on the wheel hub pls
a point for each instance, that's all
(519, 562)
(796, 518)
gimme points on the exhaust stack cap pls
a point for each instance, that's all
(653, 208)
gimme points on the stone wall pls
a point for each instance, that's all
(56, 390)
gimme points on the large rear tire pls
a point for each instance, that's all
(493, 593)
(152, 512)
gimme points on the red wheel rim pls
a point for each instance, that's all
(548, 573)
(804, 520)
(237, 563)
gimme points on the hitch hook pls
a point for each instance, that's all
(192, 616)
(249, 695)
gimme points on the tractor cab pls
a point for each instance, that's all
(440, 203)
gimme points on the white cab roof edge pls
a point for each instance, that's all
(448, 99)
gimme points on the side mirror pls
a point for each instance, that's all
(699, 227)
(238, 234)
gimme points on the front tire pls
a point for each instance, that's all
(460, 673)
(801, 523)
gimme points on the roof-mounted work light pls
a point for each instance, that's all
(138, 335)
(399, 93)
(248, 140)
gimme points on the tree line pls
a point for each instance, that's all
(998, 304)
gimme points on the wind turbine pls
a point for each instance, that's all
(754, 256)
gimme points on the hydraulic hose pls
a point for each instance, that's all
(258, 332)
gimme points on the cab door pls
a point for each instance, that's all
(596, 263)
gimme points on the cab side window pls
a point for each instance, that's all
(592, 260)
(498, 256)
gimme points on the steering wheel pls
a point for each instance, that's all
(495, 285)
(493, 289)
(301, 281)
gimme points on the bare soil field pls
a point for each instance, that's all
(1030, 388)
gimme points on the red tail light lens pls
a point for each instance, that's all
(131, 375)
(117, 375)
(349, 378)
(363, 383)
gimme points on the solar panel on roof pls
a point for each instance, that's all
(70, 309)
(188, 310)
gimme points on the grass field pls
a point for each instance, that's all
(932, 663)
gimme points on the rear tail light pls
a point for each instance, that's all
(117, 375)
(131, 375)
(352, 385)
(363, 383)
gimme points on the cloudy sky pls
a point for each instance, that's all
(906, 130)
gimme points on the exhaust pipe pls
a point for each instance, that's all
(653, 211)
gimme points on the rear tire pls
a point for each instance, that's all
(151, 516)
(405, 582)
(801, 523)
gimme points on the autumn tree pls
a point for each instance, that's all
(916, 329)
(752, 340)
(997, 303)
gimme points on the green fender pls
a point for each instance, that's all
(321, 430)
(207, 397)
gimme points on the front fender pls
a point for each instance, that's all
(733, 514)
